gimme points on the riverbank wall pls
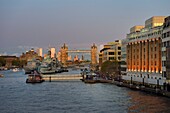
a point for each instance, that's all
(151, 90)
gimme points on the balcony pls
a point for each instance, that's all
(164, 58)
(163, 68)
(163, 48)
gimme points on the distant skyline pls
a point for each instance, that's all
(78, 23)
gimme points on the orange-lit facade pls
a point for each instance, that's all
(94, 54)
(39, 51)
(53, 52)
(145, 55)
(64, 54)
(144, 59)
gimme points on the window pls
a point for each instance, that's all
(164, 44)
(119, 48)
(168, 34)
(164, 74)
(119, 53)
(119, 58)
(168, 43)
(111, 53)
(164, 62)
(111, 58)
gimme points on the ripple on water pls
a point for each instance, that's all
(74, 97)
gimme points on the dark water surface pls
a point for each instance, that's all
(73, 97)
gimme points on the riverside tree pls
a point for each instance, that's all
(110, 68)
(2, 61)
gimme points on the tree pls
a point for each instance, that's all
(19, 63)
(23, 63)
(110, 68)
(16, 62)
(2, 61)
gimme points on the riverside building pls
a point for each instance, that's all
(144, 64)
(40, 51)
(53, 52)
(166, 50)
(111, 51)
(123, 57)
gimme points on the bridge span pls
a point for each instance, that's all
(79, 51)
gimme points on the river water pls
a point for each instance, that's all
(73, 97)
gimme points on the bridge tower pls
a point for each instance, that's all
(64, 54)
(93, 54)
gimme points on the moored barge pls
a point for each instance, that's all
(34, 78)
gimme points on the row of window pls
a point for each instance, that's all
(143, 56)
(113, 53)
(166, 44)
(143, 49)
(146, 35)
(165, 35)
(113, 58)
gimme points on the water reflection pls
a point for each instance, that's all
(74, 97)
(147, 103)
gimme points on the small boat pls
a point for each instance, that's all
(15, 69)
(1, 75)
(90, 77)
(34, 78)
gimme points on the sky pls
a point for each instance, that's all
(26, 24)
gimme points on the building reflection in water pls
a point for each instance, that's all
(147, 103)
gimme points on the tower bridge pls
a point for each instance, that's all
(64, 52)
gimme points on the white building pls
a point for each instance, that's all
(123, 57)
(40, 52)
(166, 49)
(53, 52)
